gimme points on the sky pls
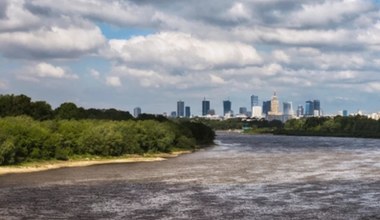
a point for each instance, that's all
(123, 54)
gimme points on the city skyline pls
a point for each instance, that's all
(127, 53)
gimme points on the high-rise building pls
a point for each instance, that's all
(243, 110)
(257, 112)
(317, 108)
(345, 113)
(173, 114)
(205, 106)
(300, 111)
(187, 112)
(287, 108)
(180, 108)
(254, 100)
(274, 105)
(226, 107)
(136, 112)
(309, 108)
(266, 107)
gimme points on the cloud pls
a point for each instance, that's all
(54, 42)
(174, 50)
(39, 71)
(113, 81)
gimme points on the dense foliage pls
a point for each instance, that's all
(34, 131)
(23, 138)
(356, 126)
(15, 105)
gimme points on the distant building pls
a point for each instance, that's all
(205, 107)
(274, 105)
(309, 108)
(226, 107)
(300, 111)
(180, 109)
(345, 113)
(254, 100)
(266, 107)
(243, 110)
(136, 112)
(257, 112)
(313, 108)
(211, 112)
(288, 108)
(187, 112)
(173, 114)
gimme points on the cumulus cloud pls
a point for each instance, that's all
(113, 81)
(39, 71)
(174, 50)
(54, 42)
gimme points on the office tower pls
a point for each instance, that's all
(187, 112)
(205, 106)
(274, 105)
(300, 111)
(254, 100)
(257, 112)
(211, 112)
(180, 108)
(345, 113)
(309, 108)
(317, 108)
(287, 108)
(136, 112)
(243, 110)
(173, 114)
(266, 107)
(226, 107)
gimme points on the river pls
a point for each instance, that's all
(242, 177)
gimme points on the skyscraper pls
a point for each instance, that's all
(288, 108)
(266, 107)
(309, 108)
(187, 112)
(274, 105)
(300, 111)
(317, 108)
(205, 106)
(180, 108)
(136, 112)
(254, 100)
(226, 107)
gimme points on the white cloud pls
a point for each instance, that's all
(94, 73)
(113, 81)
(54, 42)
(174, 50)
(281, 56)
(39, 71)
(16, 17)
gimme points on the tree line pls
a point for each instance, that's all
(26, 134)
(15, 105)
(353, 126)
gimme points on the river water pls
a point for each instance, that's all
(242, 177)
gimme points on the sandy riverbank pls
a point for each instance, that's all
(48, 165)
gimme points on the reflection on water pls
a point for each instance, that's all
(243, 177)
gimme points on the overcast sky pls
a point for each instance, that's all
(123, 54)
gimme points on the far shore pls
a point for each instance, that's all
(56, 164)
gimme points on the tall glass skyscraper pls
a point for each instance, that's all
(205, 106)
(254, 101)
(226, 107)
(287, 108)
(266, 107)
(187, 112)
(309, 108)
(180, 109)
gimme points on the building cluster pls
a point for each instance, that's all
(269, 109)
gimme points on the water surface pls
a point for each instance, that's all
(243, 177)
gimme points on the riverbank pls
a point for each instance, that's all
(83, 161)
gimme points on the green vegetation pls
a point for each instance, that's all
(32, 131)
(357, 126)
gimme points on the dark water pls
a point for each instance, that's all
(244, 177)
